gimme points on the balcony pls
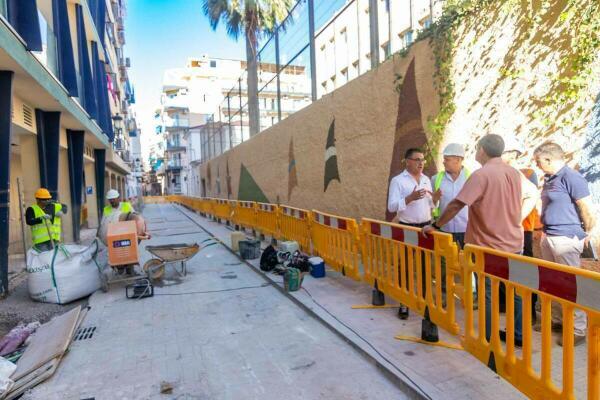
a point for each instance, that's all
(175, 146)
(176, 103)
(176, 124)
(174, 165)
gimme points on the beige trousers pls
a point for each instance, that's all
(565, 250)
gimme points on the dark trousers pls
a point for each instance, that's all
(528, 251)
(423, 272)
(459, 238)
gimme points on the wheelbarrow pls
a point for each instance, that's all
(174, 255)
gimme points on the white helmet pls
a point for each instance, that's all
(454, 150)
(513, 144)
(112, 194)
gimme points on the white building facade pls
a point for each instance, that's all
(343, 44)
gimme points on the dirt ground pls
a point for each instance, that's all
(18, 307)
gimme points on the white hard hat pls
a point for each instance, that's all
(511, 143)
(454, 150)
(112, 194)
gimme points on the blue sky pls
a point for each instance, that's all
(162, 34)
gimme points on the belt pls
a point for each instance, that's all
(419, 225)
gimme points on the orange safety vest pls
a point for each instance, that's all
(532, 221)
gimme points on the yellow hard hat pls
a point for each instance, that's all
(42, 193)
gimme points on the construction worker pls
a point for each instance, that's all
(44, 217)
(115, 205)
(513, 150)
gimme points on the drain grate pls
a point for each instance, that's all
(84, 333)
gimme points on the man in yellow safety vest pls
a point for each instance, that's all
(44, 218)
(115, 205)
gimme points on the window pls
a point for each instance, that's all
(425, 22)
(386, 50)
(213, 63)
(406, 37)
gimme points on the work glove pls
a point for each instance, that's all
(46, 217)
(60, 213)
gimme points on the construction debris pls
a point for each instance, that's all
(166, 388)
(43, 354)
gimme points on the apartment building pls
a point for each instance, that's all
(64, 112)
(342, 44)
(204, 112)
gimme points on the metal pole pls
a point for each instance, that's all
(277, 68)
(229, 116)
(6, 91)
(374, 32)
(21, 214)
(241, 113)
(313, 59)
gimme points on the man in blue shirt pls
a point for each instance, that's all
(567, 215)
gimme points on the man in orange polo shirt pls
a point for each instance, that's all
(499, 187)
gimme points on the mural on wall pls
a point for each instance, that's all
(208, 177)
(292, 173)
(331, 166)
(249, 189)
(409, 127)
(218, 180)
(590, 153)
(228, 180)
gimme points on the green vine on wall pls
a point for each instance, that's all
(442, 35)
(575, 67)
(568, 84)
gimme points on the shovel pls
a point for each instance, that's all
(49, 233)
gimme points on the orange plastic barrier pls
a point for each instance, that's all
(267, 218)
(559, 287)
(404, 265)
(294, 224)
(245, 214)
(222, 209)
(336, 240)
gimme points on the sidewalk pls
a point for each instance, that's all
(440, 372)
(221, 332)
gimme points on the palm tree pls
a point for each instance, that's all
(253, 18)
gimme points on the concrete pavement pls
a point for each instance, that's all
(222, 332)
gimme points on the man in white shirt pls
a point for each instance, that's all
(410, 192)
(410, 197)
(447, 184)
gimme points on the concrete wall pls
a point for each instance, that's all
(371, 123)
(504, 68)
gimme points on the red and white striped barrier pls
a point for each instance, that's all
(333, 222)
(266, 207)
(568, 286)
(399, 234)
(294, 212)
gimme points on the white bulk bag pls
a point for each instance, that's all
(67, 273)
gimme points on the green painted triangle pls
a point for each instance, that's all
(249, 189)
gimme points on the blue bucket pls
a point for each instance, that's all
(317, 267)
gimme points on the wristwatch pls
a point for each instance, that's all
(435, 225)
